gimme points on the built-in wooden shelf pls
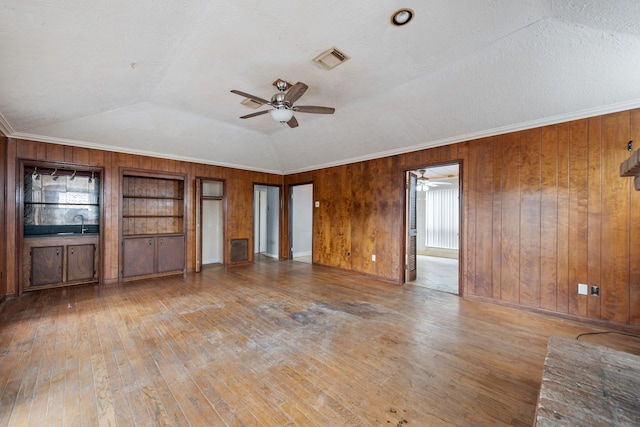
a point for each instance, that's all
(151, 216)
(152, 197)
(631, 167)
(153, 224)
(61, 204)
(152, 204)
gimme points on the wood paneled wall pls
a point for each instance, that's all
(238, 188)
(543, 210)
(3, 193)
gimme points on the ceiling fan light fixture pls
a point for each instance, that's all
(401, 17)
(281, 114)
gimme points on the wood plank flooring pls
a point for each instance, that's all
(270, 344)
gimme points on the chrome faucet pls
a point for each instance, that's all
(82, 229)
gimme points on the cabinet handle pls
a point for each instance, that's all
(57, 252)
(72, 249)
(161, 241)
(149, 241)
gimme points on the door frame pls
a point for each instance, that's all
(280, 216)
(290, 218)
(198, 234)
(411, 185)
(461, 252)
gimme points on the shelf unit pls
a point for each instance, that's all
(152, 224)
(152, 205)
(58, 199)
(60, 214)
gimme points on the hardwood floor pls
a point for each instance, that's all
(271, 344)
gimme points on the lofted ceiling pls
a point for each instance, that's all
(154, 76)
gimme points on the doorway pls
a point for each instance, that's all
(266, 205)
(433, 227)
(301, 224)
(209, 222)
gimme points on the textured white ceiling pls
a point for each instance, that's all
(153, 76)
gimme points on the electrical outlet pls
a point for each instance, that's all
(317, 204)
(373, 258)
(595, 291)
(583, 289)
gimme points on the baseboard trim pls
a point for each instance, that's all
(585, 320)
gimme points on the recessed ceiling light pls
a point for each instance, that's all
(401, 17)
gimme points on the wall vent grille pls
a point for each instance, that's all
(251, 103)
(239, 250)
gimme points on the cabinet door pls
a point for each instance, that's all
(80, 262)
(138, 256)
(170, 253)
(46, 265)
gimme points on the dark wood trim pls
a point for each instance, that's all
(461, 220)
(19, 232)
(147, 173)
(198, 197)
(4, 252)
(198, 225)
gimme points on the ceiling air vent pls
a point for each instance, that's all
(331, 58)
(251, 103)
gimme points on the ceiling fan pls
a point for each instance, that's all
(424, 182)
(282, 103)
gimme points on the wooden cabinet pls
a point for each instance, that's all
(138, 256)
(80, 262)
(46, 265)
(170, 253)
(150, 255)
(59, 261)
(153, 224)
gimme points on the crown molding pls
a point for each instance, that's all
(547, 121)
(8, 131)
(5, 127)
(95, 146)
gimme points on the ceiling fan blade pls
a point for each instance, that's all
(259, 113)
(253, 97)
(314, 109)
(293, 123)
(296, 91)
